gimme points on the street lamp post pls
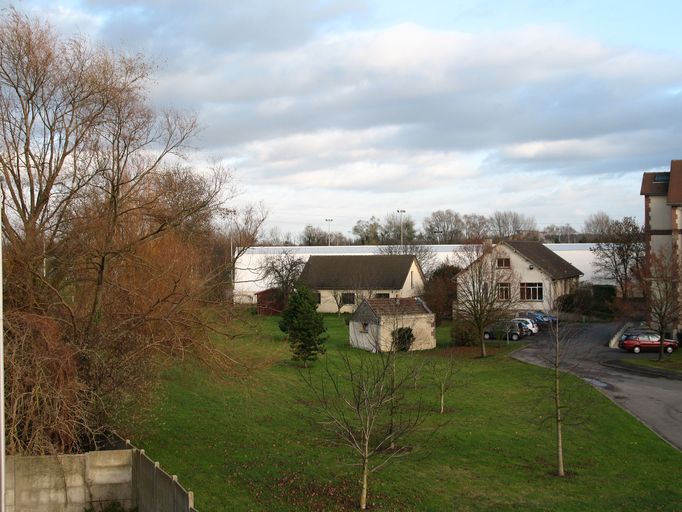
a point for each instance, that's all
(329, 230)
(401, 226)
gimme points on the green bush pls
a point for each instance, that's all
(403, 337)
(461, 335)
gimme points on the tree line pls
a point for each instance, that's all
(446, 227)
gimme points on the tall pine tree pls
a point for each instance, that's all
(304, 325)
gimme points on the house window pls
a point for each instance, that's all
(503, 263)
(382, 295)
(318, 297)
(347, 298)
(503, 291)
(531, 291)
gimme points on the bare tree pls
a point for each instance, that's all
(559, 234)
(367, 231)
(596, 225)
(275, 237)
(508, 224)
(313, 235)
(282, 272)
(230, 241)
(565, 410)
(663, 294)
(355, 401)
(443, 227)
(620, 254)
(397, 229)
(476, 227)
(486, 291)
(444, 377)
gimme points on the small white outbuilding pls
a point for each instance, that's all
(372, 325)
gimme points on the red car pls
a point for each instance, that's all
(646, 341)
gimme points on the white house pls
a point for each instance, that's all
(372, 325)
(342, 282)
(529, 273)
(249, 275)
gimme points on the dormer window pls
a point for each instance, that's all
(503, 263)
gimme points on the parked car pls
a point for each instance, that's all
(540, 317)
(637, 330)
(504, 329)
(647, 341)
(529, 324)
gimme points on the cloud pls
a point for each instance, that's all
(296, 97)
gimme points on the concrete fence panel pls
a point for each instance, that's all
(145, 485)
(164, 492)
(71, 483)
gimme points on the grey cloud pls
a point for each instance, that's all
(180, 30)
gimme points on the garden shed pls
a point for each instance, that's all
(372, 325)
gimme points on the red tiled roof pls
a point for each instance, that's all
(398, 306)
(664, 183)
(651, 186)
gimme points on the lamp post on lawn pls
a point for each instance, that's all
(329, 230)
(401, 226)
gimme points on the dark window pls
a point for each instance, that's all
(364, 327)
(382, 295)
(503, 291)
(531, 291)
(347, 298)
(318, 297)
(662, 178)
(503, 263)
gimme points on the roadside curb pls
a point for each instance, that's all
(642, 370)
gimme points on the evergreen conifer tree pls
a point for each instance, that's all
(304, 325)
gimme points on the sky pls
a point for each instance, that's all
(348, 109)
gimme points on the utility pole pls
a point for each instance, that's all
(329, 230)
(401, 226)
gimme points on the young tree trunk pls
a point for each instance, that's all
(557, 407)
(393, 402)
(442, 399)
(365, 475)
(480, 337)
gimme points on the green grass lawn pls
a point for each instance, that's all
(246, 441)
(672, 362)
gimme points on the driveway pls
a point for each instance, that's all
(656, 401)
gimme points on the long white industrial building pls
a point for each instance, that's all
(249, 267)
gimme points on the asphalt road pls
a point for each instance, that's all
(656, 401)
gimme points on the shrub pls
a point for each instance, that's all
(462, 335)
(403, 337)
